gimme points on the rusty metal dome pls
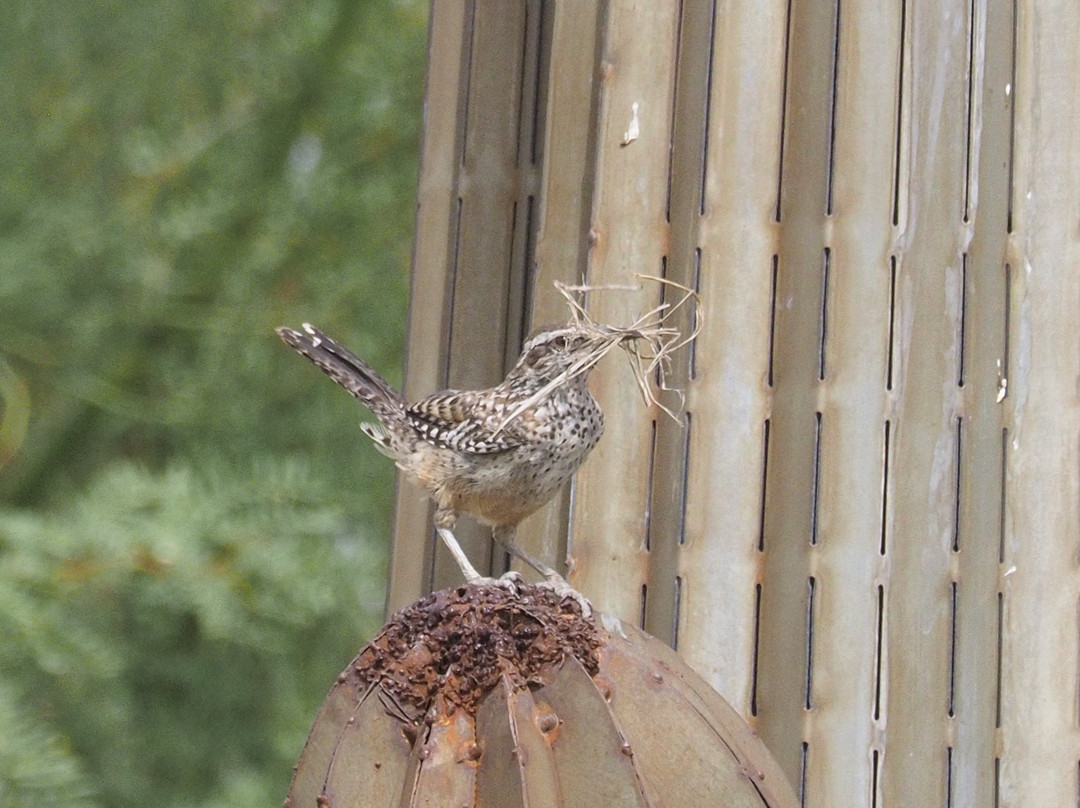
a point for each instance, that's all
(477, 696)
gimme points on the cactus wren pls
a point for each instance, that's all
(497, 454)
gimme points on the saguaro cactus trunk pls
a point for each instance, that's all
(865, 532)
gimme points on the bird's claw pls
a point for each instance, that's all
(510, 581)
(561, 587)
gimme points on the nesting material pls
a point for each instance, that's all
(648, 343)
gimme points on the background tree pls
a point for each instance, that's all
(179, 582)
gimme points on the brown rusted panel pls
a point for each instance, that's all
(517, 766)
(757, 763)
(416, 739)
(594, 759)
(369, 761)
(535, 731)
(683, 764)
(498, 780)
(480, 696)
(447, 776)
(310, 774)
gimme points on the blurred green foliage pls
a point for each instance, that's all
(174, 633)
(192, 528)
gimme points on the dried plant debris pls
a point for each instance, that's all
(649, 341)
(455, 646)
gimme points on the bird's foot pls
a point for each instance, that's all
(552, 580)
(512, 580)
(511, 585)
(561, 587)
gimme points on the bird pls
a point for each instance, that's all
(496, 454)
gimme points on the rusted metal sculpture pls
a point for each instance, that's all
(478, 696)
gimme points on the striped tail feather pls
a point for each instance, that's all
(347, 369)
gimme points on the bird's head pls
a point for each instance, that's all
(567, 349)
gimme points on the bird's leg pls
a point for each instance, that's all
(442, 527)
(466, 567)
(505, 536)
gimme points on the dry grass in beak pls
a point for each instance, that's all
(647, 341)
